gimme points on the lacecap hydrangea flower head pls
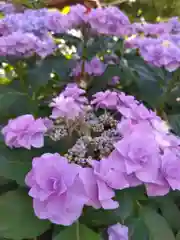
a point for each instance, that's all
(120, 144)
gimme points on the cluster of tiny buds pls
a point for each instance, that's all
(58, 131)
(99, 144)
(97, 137)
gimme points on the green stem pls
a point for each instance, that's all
(77, 231)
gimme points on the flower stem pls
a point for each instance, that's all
(77, 231)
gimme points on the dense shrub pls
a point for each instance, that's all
(90, 125)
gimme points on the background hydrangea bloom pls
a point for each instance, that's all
(109, 21)
(7, 8)
(25, 131)
(25, 44)
(95, 67)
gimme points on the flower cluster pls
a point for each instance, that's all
(7, 8)
(23, 44)
(160, 52)
(109, 21)
(43, 22)
(159, 46)
(122, 146)
(26, 132)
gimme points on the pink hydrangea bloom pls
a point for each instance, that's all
(107, 99)
(97, 190)
(25, 131)
(57, 192)
(118, 232)
(65, 107)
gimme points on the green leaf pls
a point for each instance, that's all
(174, 121)
(77, 232)
(138, 230)
(100, 83)
(149, 79)
(17, 219)
(98, 218)
(15, 163)
(14, 102)
(170, 212)
(150, 92)
(126, 205)
(39, 74)
(178, 236)
(157, 226)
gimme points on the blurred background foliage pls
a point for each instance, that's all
(150, 10)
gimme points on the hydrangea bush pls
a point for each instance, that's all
(90, 146)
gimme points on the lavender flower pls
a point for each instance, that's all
(140, 154)
(97, 190)
(94, 68)
(152, 29)
(57, 192)
(118, 232)
(107, 99)
(110, 21)
(175, 24)
(161, 52)
(65, 107)
(7, 8)
(72, 90)
(25, 44)
(115, 80)
(25, 131)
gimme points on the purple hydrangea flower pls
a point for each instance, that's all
(25, 131)
(97, 66)
(115, 80)
(152, 28)
(72, 90)
(118, 232)
(175, 23)
(7, 8)
(107, 99)
(161, 52)
(60, 23)
(171, 168)
(136, 111)
(97, 190)
(140, 153)
(94, 68)
(111, 170)
(65, 107)
(110, 21)
(30, 21)
(57, 192)
(25, 44)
